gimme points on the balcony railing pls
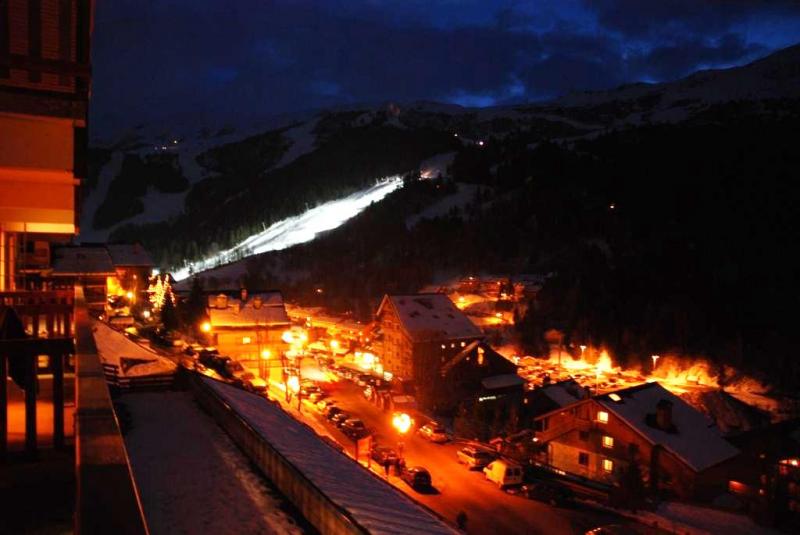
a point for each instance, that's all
(106, 497)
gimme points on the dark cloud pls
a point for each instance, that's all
(257, 57)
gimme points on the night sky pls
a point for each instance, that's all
(162, 59)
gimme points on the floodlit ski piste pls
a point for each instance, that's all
(297, 229)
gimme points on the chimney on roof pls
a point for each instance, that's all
(664, 415)
(257, 302)
(244, 295)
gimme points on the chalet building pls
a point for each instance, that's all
(44, 93)
(244, 325)
(133, 266)
(552, 397)
(107, 272)
(678, 450)
(429, 343)
(89, 265)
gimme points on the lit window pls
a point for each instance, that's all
(608, 465)
(246, 340)
(615, 397)
(608, 442)
(43, 361)
(602, 417)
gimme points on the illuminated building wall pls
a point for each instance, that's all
(44, 92)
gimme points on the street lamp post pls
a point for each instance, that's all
(402, 423)
(655, 360)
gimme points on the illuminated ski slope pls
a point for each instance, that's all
(297, 229)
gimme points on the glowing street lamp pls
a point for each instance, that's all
(287, 337)
(293, 389)
(205, 327)
(655, 360)
(262, 363)
(402, 423)
(583, 348)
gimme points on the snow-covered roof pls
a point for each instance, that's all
(375, 505)
(248, 316)
(564, 393)
(240, 313)
(86, 260)
(430, 317)
(117, 349)
(695, 439)
(129, 255)
(506, 380)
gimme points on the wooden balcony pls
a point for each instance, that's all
(105, 496)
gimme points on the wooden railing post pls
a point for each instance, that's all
(58, 400)
(30, 408)
(3, 407)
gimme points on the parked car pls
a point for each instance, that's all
(381, 454)
(475, 458)
(417, 477)
(548, 492)
(254, 383)
(434, 432)
(340, 418)
(503, 473)
(354, 428)
(332, 411)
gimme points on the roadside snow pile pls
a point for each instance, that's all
(374, 504)
(130, 358)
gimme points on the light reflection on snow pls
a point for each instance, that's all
(297, 229)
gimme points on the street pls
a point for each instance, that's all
(488, 509)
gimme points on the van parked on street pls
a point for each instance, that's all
(504, 473)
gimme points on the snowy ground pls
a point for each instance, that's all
(191, 477)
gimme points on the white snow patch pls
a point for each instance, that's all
(303, 141)
(297, 229)
(461, 198)
(96, 198)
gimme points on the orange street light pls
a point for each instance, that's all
(129, 295)
(205, 327)
(265, 354)
(402, 422)
(293, 383)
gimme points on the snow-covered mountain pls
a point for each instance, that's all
(212, 186)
